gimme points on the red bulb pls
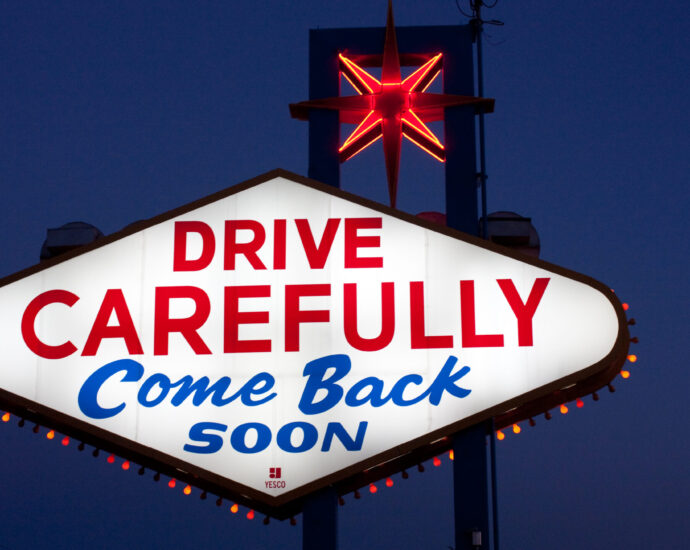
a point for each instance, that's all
(171, 483)
(389, 482)
(437, 461)
(372, 488)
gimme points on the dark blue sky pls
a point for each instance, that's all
(114, 112)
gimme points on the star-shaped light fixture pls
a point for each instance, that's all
(390, 108)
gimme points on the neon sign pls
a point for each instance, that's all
(391, 108)
(284, 335)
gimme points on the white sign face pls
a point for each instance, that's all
(283, 333)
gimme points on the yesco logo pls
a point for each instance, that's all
(285, 323)
(275, 482)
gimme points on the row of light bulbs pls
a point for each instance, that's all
(373, 488)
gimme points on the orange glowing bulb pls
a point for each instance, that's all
(125, 465)
(6, 417)
(451, 454)
(632, 358)
(516, 429)
(437, 461)
(111, 459)
(373, 488)
(250, 514)
(172, 483)
(50, 434)
(564, 409)
(389, 482)
(234, 508)
(187, 490)
(625, 374)
(500, 435)
(580, 403)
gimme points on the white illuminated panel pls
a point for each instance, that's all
(570, 327)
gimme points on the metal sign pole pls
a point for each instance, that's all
(320, 521)
(470, 465)
(470, 475)
(470, 489)
(320, 510)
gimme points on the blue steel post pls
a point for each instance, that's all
(470, 488)
(324, 127)
(320, 510)
(320, 521)
(461, 171)
(470, 473)
(494, 489)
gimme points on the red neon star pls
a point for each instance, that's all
(390, 108)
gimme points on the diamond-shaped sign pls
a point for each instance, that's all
(283, 335)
